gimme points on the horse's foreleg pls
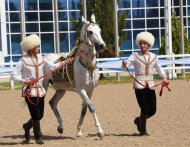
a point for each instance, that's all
(88, 102)
(53, 103)
(82, 115)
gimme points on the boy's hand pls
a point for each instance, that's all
(124, 63)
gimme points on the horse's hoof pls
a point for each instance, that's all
(60, 130)
(79, 135)
(101, 134)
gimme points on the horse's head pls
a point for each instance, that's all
(91, 33)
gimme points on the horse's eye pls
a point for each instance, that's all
(90, 32)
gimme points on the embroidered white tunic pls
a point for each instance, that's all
(26, 70)
(144, 66)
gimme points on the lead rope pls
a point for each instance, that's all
(163, 83)
(29, 87)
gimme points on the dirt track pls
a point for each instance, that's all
(116, 108)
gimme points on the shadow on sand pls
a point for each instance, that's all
(45, 137)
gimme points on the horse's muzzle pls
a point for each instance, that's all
(100, 46)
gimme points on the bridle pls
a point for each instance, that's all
(86, 36)
(91, 45)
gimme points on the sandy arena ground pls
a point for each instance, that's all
(116, 108)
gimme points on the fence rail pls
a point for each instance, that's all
(7, 68)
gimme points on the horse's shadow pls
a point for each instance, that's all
(45, 137)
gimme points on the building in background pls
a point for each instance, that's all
(149, 15)
(39, 18)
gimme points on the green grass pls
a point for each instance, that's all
(7, 86)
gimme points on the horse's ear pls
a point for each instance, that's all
(93, 18)
(84, 20)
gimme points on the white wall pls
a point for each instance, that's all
(3, 51)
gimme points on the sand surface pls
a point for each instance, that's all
(116, 108)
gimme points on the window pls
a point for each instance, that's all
(151, 3)
(73, 40)
(124, 4)
(127, 44)
(46, 16)
(73, 4)
(138, 24)
(30, 5)
(45, 4)
(15, 42)
(14, 5)
(64, 46)
(137, 3)
(47, 43)
(62, 4)
(138, 13)
(155, 33)
(31, 16)
(152, 23)
(152, 12)
(128, 24)
(63, 15)
(15, 27)
(32, 27)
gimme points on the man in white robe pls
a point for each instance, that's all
(29, 68)
(144, 63)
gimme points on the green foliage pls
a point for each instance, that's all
(175, 34)
(104, 13)
(162, 48)
(175, 38)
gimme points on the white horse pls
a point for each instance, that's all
(85, 75)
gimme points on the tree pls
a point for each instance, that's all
(175, 38)
(104, 13)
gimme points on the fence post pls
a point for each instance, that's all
(11, 81)
(174, 75)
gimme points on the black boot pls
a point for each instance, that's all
(143, 130)
(27, 126)
(37, 132)
(137, 123)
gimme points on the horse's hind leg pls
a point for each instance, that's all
(88, 102)
(82, 115)
(53, 103)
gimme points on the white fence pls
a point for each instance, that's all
(170, 63)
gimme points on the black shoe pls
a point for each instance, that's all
(137, 123)
(144, 134)
(37, 132)
(26, 133)
(39, 141)
(27, 126)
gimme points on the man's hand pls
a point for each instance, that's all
(27, 82)
(165, 79)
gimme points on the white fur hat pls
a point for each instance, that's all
(30, 42)
(146, 37)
